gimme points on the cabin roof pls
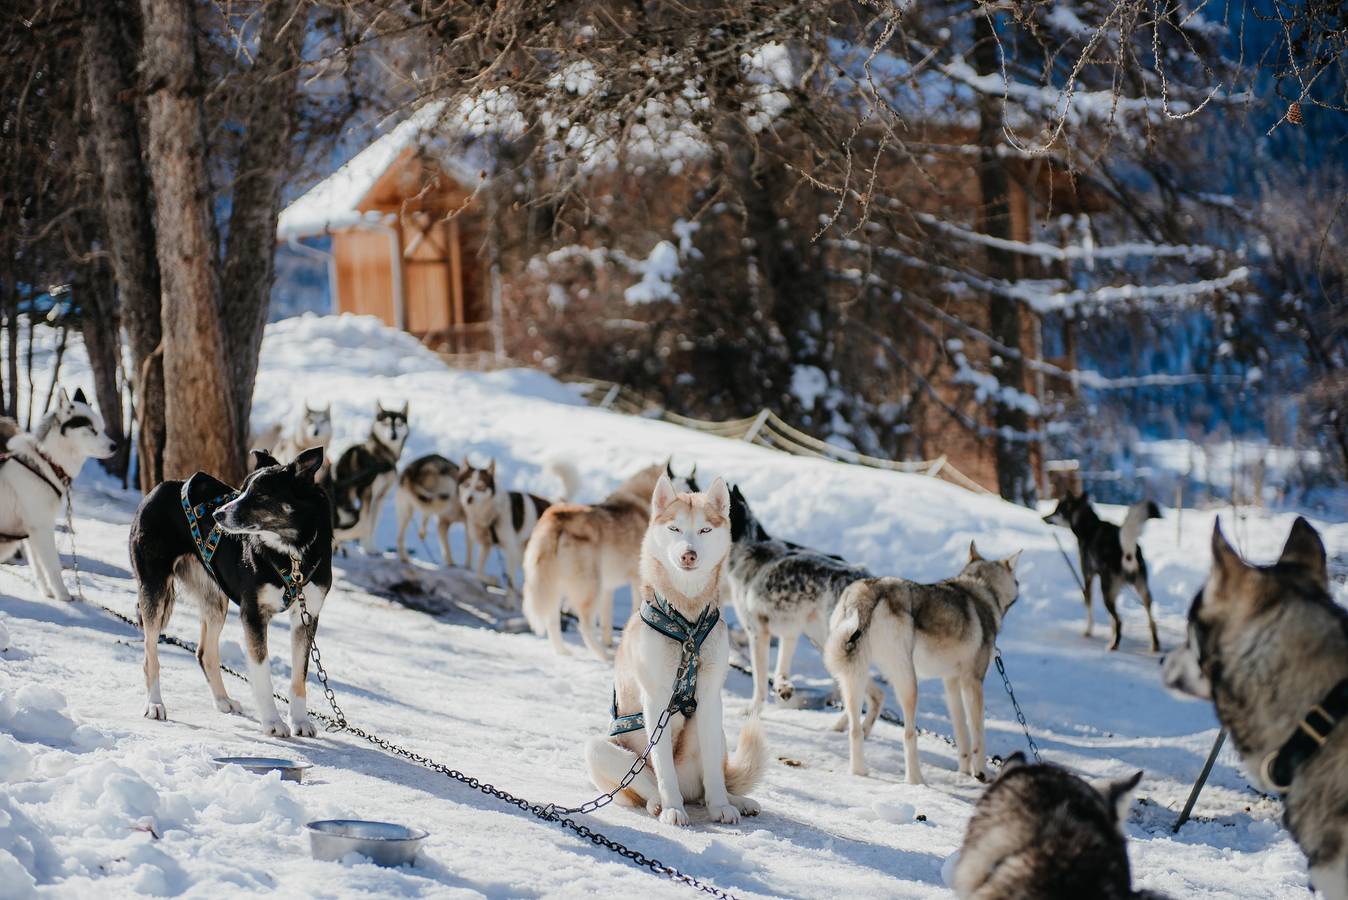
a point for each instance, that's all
(335, 202)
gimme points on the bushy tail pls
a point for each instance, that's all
(744, 770)
(851, 620)
(1131, 530)
(567, 474)
(542, 600)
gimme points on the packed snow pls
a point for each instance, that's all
(97, 800)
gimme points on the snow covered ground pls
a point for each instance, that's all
(96, 800)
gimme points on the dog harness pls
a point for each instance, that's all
(62, 476)
(292, 581)
(1312, 731)
(657, 613)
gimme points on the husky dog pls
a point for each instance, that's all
(311, 428)
(1269, 647)
(582, 553)
(945, 630)
(1111, 552)
(429, 486)
(200, 538)
(35, 475)
(364, 474)
(1041, 833)
(503, 519)
(783, 589)
(678, 630)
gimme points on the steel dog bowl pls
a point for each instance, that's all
(260, 765)
(384, 843)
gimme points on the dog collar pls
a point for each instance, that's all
(61, 474)
(690, 635)
(1280, 766)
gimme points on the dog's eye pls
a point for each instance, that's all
(674, 528)
(706, 530)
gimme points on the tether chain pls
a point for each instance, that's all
(1015, 704)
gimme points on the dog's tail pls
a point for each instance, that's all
(1131, 530)
(568, 475)
(8, 428)
(746, 767)
(851, 620)
(542, 599)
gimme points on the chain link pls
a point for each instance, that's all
(1015, 704)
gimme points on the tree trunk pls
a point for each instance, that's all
(101, 327)
(1015, 475)
(250, 253)
(199, 410)
(11, 299)
(128, 215)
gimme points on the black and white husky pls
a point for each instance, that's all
(35, 478)
(785, 590)
(1110, 551)
(429, 486)
(505, 519)
(263, 547)
(365, 473)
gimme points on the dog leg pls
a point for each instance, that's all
(1330, 880)
(47, 562)
(972, 688)
(371, 515)
(957, 718)
(208, 651)
(442, 529)
(1144, 591)
(904, 679)
(759, 639)
(259, 676)
(300, 640)
(404, 510)
(711, 747)
(156, 605)
(853, 686)
(588, 619)
(668, 804)
(781, 678)
(1109, 593)
(1087, 578)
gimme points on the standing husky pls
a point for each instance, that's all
(263, 547)
(1041, 833)
(677, 665)
(429, 486)
(583, 553)
(783, 589)
(311, 428)
(503, 519)
(1269, 647)
(1111, 552)
(35, 475)
(365, 473)
(910, 631)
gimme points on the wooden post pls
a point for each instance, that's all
(456, 277)
(1202, 779)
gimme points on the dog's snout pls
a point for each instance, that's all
(688, 557)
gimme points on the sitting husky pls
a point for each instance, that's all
(1269, 647)
(1041, 833)
(311, 428)
(262, 547)
(1111, 552)
(35, 475)
(783, 589)
(503, 519)
(674, 655)
(910, 631)
(582, 553)
(429, 485)
(364, 474)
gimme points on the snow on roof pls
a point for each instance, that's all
(331, 204)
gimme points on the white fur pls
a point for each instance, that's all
(310, 428)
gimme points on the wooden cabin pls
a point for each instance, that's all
(408, 237)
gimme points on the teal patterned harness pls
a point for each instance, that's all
(667, 620)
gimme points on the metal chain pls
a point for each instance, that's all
(1015, 704)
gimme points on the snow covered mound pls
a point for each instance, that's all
(94, 799)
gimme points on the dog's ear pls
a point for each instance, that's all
(669, 467)
(327, 410)
(1010, 561)
(1227, 566)
(1304, 548)
(1011, 763)
(62, 401)
(491, 468)
(261, 459)
(663, 496)
(306, 465)
(1118, 795)
(974, 555)
(79, 396)
(719, 495)
(406, 407)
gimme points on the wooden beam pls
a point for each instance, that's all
(455, 272)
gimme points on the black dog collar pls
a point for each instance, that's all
(1312, 731)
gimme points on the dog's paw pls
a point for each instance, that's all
(746, 806)
(784, 689)
(860, 769)
(726, 815)
(981, 776)
(674, 815)
(61, 594)
(228, 705)
(156, 711)
(303, 727)
(755, 710)
(840, 724)
(913, 777)
(275, 728)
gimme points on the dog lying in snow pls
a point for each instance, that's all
(946, 630)
(1041, 833)
(263, 546)
(582, 553)
(35, 478)
(682, 564)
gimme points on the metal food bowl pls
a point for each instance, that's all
(808, 697)
(260, 765)
(384, 843)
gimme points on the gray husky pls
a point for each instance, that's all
(1042, 833)
(783, 589)
(1269, 647)
(429, 485)
(945, 630)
